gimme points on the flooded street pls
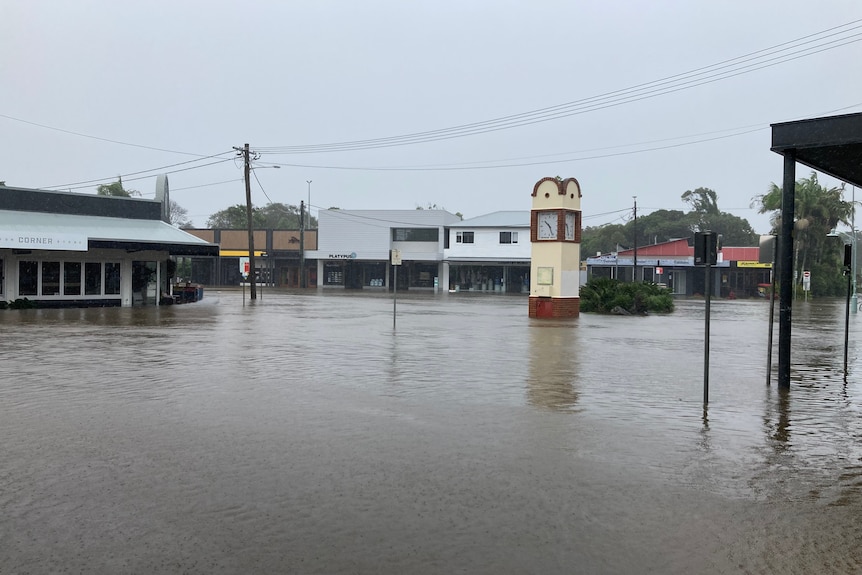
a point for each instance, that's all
(302, 434)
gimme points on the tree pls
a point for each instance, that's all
(701, 200)
(818, 210)
(116, 189)
(603, 239)
(662, 226)
(665, 225)
(179, 216)
(735, 231)
(705, 215)
(272, 216)
(281, 216)
(234, 218)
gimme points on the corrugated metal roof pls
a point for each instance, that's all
(96, 228)
(502, 219)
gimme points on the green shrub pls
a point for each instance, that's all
(603, 295)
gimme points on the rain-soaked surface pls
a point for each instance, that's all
(302, 434)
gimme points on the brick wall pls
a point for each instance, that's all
(554, 307)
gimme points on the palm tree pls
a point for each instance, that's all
(818, 210)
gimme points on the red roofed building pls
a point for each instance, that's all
(737, 273)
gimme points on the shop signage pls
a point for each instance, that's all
(752, 264)
(350, 256)
(43, 241)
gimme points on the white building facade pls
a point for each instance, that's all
(354, 248)
(490, 253)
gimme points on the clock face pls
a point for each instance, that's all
(570, 226)
(546, 222)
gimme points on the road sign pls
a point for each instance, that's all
(244, 266)
(806, 281)
(659, 270)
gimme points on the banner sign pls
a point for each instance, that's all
(43, 241)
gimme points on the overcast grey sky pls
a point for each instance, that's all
(196, 78)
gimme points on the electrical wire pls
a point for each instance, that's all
(154, 175)
(708, 74)
(206, 185)
(521, 164)
(261, 186)
(739, 131)
(136, 173)
(82, 135)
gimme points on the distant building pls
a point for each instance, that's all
(354, 248)
(738, 271)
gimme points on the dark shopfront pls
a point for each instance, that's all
(354, 274)
(358, 274)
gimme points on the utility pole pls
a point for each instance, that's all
(302, 282)
(308, 225)
(635, 230)
(252, 269)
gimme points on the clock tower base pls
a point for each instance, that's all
(551, 307)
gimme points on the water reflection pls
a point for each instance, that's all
(776, 420)
(554, 363)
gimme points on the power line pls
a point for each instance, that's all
(139, 172)
(82, 135)
(739, 131)
(261, 186)
(522, 164)
(708, 74)
(154, 175)
(206, 185)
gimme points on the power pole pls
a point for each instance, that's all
(635, 230)
(302, 282)
(252, 269)
(308, 225)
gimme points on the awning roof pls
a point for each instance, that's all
(832, 145)
(104, 232)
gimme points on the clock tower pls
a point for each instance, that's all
(555, 260)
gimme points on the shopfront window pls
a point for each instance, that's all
(333, 274)
(28, 278)
(50, 278)
(374, 274)
(422, 275)
(92, 278)
(112, 278)
(72, 278)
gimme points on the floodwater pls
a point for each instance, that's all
(303, 434)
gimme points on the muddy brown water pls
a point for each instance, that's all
(303, 434)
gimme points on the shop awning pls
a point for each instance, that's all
(63, 232)
(832, 145)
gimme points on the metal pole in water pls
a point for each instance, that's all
(707, 293)
(771, 323)
(847, 272)
(394, 296)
